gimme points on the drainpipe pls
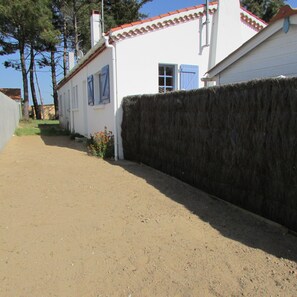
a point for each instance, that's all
(207, 24)
(115, 94)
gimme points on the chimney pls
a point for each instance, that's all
(70, 61)
(96, 31)
(227, 28)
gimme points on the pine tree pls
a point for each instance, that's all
(265, 9)
(116, 12)
(24, 27)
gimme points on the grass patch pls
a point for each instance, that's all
(40, 127)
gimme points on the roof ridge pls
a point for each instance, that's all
(253, 15)
(128, 31)
(284, 11)
(159, 17)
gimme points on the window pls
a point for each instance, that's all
(61, 105)
(96, 88)
(99, 87)
(104, 85)
(75, 97)
(91, 90)
(67, 102)
(166, 78)
(189, 77)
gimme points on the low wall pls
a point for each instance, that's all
(9, 118)
(237, 142)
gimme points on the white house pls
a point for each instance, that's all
(161, 54)
(271, 53)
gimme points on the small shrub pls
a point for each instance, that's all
(101, 144)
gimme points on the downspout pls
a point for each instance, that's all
(115, 94)
(71, 115)
(207, 24)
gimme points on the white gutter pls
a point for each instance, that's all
(115, 94)
(207, 21)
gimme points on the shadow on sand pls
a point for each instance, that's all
(54, 135)
(230, 221)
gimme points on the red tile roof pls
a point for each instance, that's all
(158, 22)
(283, 12)
(159, 17)
(167, 19)
(13, 93)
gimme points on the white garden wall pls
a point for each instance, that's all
(9, 118)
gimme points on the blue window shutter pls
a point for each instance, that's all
(189, 77)
(91, 90)
(104, 85)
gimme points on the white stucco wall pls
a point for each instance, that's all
(85, 119)
(9, 118)
(138, 58)
(274, 57)
(137, 67)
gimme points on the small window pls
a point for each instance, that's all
(67, 102)
(96, 88)
(99, 87)
(75, 97)
(91, 90)
(61, 105)
(104, 85)
(189, 77)
(166, 78)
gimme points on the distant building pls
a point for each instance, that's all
(270, 53)
(48, 112)
(13, 93)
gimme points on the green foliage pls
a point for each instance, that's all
(23, 22)
(125, 11)
(101, 144)
(265, 9)
(39, 127)
(26, 26)
(115, 13)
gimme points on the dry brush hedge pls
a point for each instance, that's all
(237, 142)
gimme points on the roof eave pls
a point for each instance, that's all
(244, 49)
(91, 54)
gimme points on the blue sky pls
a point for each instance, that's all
(10, 78)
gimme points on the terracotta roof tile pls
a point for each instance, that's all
(158, 22)
(160, 16)
(253, 15)
(13, 93)
(283, 12)
(250, 21)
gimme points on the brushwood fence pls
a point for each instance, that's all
(9, 118)
(237, 142)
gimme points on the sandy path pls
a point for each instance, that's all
(72, 225)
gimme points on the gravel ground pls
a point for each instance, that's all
(73, 225)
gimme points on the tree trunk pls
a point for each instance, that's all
(25, 83)
(40, 95)
(32, 85)
(65, 47)
(54, 82)
(76, 45)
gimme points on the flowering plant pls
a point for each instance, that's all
(101, 144)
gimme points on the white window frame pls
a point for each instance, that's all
(75, 97)
(174, 77)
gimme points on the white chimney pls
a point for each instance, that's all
(96, 31)
(227, 29)
(70, 60)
